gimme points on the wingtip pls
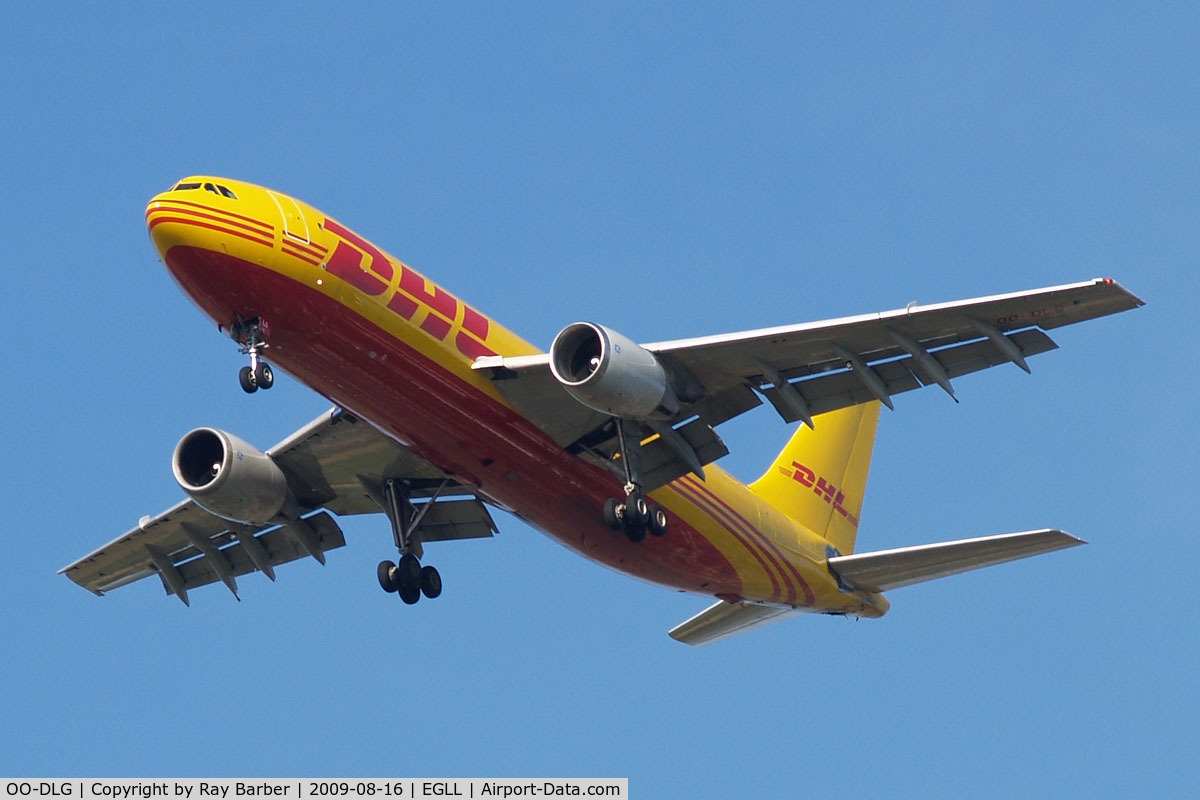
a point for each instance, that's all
(1068, 539)
(1113, 282)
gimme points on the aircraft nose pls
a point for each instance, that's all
(181, 215)
(156, 215)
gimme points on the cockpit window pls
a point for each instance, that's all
(215, 188)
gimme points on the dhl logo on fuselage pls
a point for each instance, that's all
(822, 488)
(373, 276)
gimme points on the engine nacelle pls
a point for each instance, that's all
(229, 477)
(609, 373)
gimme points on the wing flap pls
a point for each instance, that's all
(452, 520)
(661, 463)
(892, 569)
(722, 620)
(281, 548)
(834, 390)
(124, 559)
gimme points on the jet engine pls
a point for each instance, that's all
(609, 373)
(230, 478)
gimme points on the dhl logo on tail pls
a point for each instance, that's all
(821, 487)
(820, 477)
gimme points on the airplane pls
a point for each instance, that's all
(603, 444)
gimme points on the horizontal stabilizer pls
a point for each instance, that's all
(724, 619)
(891, 569)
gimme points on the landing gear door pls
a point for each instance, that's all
(295, 225)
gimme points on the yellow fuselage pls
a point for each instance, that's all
(375, 337)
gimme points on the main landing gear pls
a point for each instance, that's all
(407, 578)
(636, 515)
(250, 334)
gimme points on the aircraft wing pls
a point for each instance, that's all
(336, 462)
(811, 368)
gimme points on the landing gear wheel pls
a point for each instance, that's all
(264, 376)
(246, 379)
(408, 574)
(612, 515)
(636, 531)
(384, 573)
(431, 582)
(637, 514)
(637, 510)
(658, 520)
(409, 595)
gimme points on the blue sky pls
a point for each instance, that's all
(668, 170)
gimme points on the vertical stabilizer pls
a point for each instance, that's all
(820, 477)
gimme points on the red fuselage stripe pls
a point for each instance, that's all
(287, 248)
(168, 203)
(159, 220)
(751, 534)
(311, 248)
(759, 536)
(215, 218)
(704, 504)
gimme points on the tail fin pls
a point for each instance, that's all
(820, 477)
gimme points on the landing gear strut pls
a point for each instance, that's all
(636, 515)
(250, 334)
(407, 578)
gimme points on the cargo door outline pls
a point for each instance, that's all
(295, 224)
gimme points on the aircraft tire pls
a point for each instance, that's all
(658, 520)
(409, 596)
(246, 379)
(408, 573)
(431, 582)
(264, 376)
(637, 510)
(636, 531)
(384, 573)
(611, 518)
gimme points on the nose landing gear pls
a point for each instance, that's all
(250, 335)
(256, 377)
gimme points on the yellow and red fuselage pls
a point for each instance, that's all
(378, 339)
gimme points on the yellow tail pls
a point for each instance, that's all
(820, 477)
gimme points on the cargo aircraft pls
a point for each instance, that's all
(604, 444)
